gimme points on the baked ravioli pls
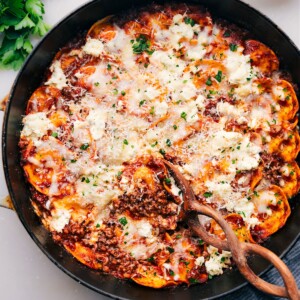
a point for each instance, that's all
(160, 82)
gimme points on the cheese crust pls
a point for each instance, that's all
(162, 82)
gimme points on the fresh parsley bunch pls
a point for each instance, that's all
(19, 19)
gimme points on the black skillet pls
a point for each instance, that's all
(30, 77)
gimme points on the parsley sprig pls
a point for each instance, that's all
(141, 44)
(19, 20)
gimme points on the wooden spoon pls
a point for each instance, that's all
(239, 250)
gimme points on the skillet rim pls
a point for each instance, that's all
(5, 155)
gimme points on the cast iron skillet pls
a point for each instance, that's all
(30, 78)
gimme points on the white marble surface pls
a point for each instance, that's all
(25, 273)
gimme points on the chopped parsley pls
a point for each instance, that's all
(183, 115)
(54, 134)
(152, 110)
(208, 81)
(150, 259)
(84, 146)
(169, 143)
(226, 33)
(142, 102)
(168, 180)
(219, 76)
(242, 214)
(233, 47)
(162, 151)
(193, 280)
(96, 83)
(108, 67)
(207, 194)
(170, 249)
(123, 221)
(141, 45)
(171, 273)
(98, 225)
(123, 93)
(73, 161)
(125, 142)
(175, 127)
(189, 21)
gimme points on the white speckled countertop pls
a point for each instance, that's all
(25, 272)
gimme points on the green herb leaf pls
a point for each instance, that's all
(233, 47)
(15, 7)
(142, 45)
(170, 249)
(183, 115)
(19, 20)
(227, 33)
(84, 146)
(142, 102)
(25, 23)
(123, 221)
(219, 76)
(162, 151)
(189, 21)
(150, 259)
(207, 194)
(208, 81)
(41, 28)
(35, 7)
(152, 110)
(168, 180)
(193, 280)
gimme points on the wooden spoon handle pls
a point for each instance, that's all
(239, 250)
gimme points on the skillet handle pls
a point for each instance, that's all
(3, 103)
(7, 203)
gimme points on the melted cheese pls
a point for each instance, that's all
(93, 47)
(36, 125)
(139, 239)
(168, 99)
(58, 78)
(217, 261)
(60, 218)
(238, 67)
